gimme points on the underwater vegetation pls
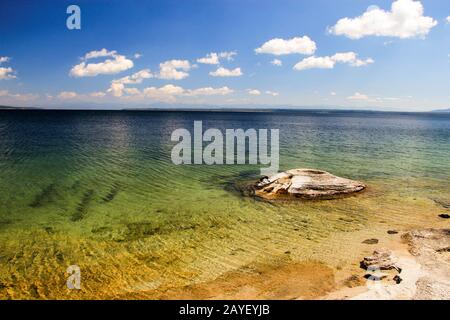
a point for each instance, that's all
(112, 193)
(47, 195)
(82, 208)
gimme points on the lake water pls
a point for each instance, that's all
(99, 190)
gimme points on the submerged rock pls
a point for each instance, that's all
(370, 241)
(306, 184)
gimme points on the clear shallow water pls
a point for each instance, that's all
(98, 189)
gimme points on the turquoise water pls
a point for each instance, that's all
(98, 189)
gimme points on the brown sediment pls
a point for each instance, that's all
(282, 280)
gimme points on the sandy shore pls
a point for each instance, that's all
(424, 260)
(421, 255)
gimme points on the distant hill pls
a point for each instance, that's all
(16, 108)
(442, 110)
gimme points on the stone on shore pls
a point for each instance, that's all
(305, 184)
(381, 259)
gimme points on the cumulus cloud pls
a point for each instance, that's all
(209, 91)
(276, 62)
(211, 58)
(278, 47)
(214, 58)
(328, 62)
(6, 73)
(359, 96)
(97, 94)
(99, 53)
(137, 77)
(118, 86)
(174, 69)
(315, 63)
(405, 20)
(272, 93)
(254, 92)
(13, 97)
(66, 95)
(448, 19)
(116, 64)
(170, 92)
(223, 72)
(4, 59)
(72, 95)
(227, 55)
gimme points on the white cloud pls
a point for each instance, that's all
(65, 95)
(359, 96)
(137, 55)
(315, 62)
(223, 72)
(254, 92)
(118, 86)
(132, 91)
(4, 59)
(117, 64)
(137, 77)
(448, 19)
(405, 20)
(169, 93)
(272, 93)
(97, 94)
(14, 97)
(276, 62)
(72, 95)
(8, 72)
(209, 91)
(278, 47)
(328, 62)
(116, 89)
(174, 69)
(99, 53)
(214, 58)
(211, 58)
(333, 93)
(351, 58)
(227, 55)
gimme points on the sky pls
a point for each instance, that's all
(352, 54)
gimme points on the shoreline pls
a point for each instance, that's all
(421, 255)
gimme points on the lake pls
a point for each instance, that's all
(98, 189)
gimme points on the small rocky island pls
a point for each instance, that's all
(305, 184)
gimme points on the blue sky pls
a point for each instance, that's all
(349, 53)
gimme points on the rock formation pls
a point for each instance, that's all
(305, 184)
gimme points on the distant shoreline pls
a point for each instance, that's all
(225, 110)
